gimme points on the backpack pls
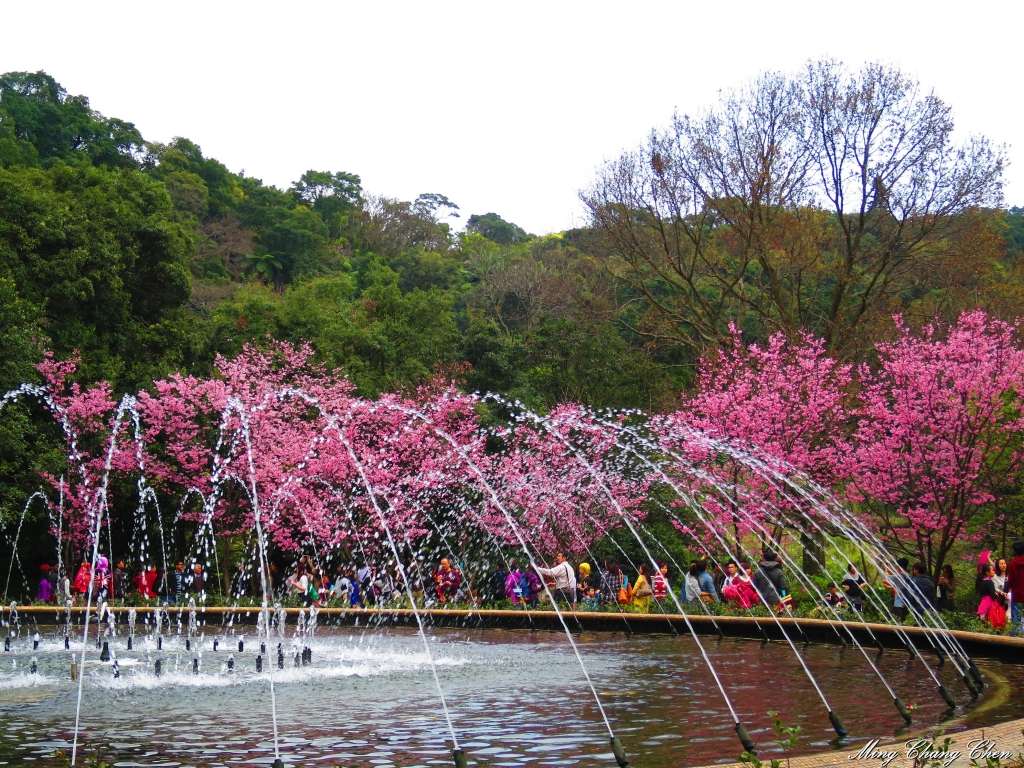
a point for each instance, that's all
(625, 592)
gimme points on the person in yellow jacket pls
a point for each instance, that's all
(642, 589)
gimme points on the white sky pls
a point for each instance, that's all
(506, 107)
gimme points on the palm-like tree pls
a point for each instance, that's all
(268, 266)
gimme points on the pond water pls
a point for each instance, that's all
(517, 699)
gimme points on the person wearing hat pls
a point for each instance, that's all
(587, 581)
(45, 593)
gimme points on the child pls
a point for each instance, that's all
(590, 600)
(833, 597)
(660, 583)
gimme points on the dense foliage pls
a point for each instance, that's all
(143, 261)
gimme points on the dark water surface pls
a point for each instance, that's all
(517, 699)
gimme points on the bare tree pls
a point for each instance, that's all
(229, 240)
(515, 286)
(391, 227)
(798, 202)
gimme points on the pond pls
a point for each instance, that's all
(368, 698)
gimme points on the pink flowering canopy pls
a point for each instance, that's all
(918, 447)
(789, 401)
(274, 436)
(939, 431)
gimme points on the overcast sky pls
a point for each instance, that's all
(506, 107)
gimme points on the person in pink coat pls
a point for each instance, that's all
(738, 586)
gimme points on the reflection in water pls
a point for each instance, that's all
(518, 698)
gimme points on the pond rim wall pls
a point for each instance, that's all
(977, 644)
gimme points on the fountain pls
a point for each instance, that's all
(310, 470)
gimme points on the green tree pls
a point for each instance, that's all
(332, 195)
(95, 253)
(381, 337)
(14, 151)
(1014, 232)
(294, 233)
(495, 228)
(64, 127)
(429, 204)
(182, 162)
(268, 266)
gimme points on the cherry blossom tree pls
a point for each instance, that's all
(788, 399)
(924, 447)
(940, 432)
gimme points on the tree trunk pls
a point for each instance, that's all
(814, 552)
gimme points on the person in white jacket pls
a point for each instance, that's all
(565, 580)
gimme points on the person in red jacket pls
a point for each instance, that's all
(1014, 587)
(82, 579)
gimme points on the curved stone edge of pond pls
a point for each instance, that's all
(979, 644)
(1006, 736)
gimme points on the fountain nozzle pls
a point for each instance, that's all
(837, 724)
(620, 755)
(745, 740)
(975, 673)
(105, 653)
(460, 758)
(902, 710)
(975, 693)
(946, 697)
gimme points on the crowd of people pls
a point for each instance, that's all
(108, 583)
(742, 585)
(999, 586)
(57, 586)
(608, 584)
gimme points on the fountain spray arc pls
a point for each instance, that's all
(741, 731)
(236, 405)
(334, 426)
(848, 526)
(457, 753)
(14, 542)
(938, 636)
(96, 511)
(778, 479)
(616, 745)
